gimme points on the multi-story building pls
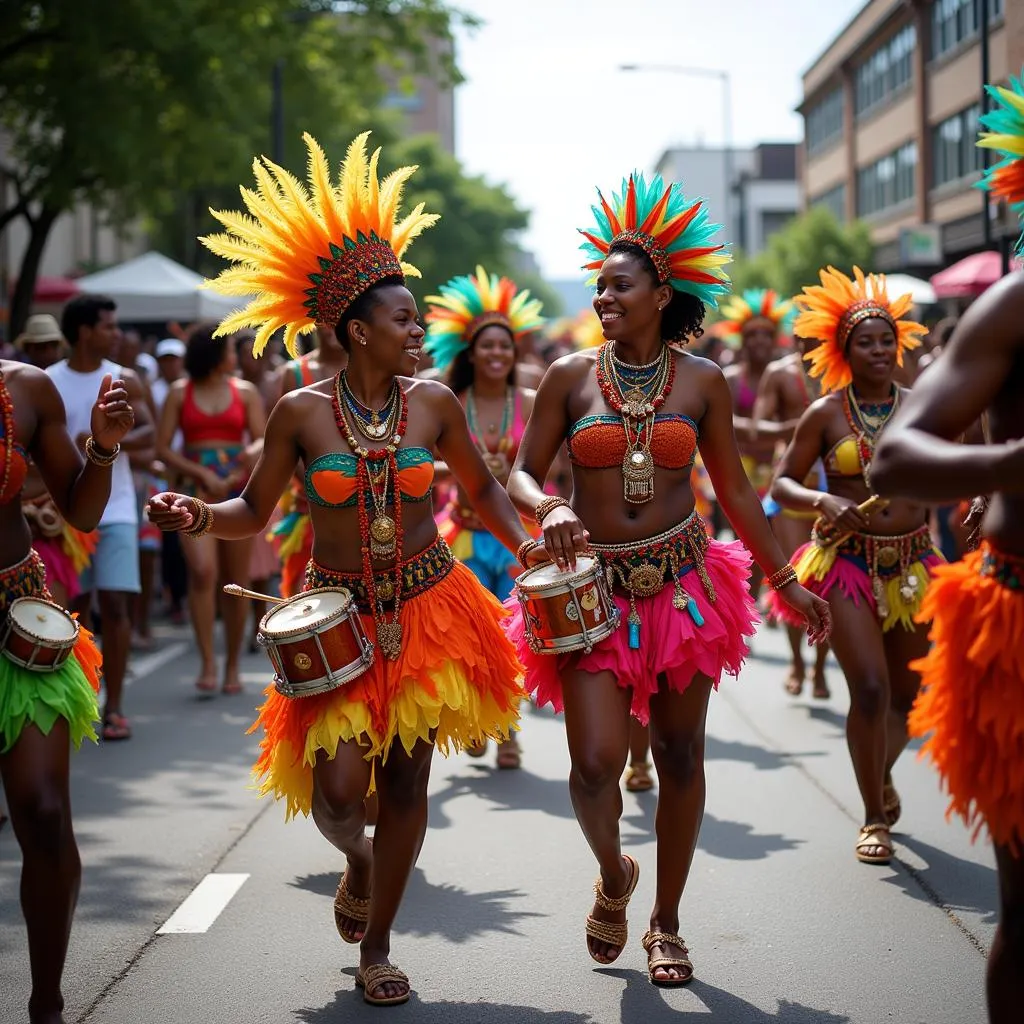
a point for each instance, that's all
(891, 114)
(750, 192)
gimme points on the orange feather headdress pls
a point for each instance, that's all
(830, 311)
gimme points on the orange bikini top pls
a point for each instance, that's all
(599, 442)
(19, 470)
(331, 479)
(842, 458)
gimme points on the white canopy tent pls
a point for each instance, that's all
(153, 287)
(922, 292)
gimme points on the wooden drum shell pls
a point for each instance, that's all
(30, 651)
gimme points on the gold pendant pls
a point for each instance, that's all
(389, 639)
(385, 589)
(635, 405)
(498, 465)
(375, 429)
(382, 537)
(638, 476)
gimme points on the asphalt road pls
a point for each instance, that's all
(783, 924)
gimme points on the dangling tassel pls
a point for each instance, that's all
(683, 601)
(633, 623)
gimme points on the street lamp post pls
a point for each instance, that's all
(727, 156)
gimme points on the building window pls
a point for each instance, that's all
(953, 145)
(888, 181)
(825, 122)
(956, 21)
(834, 200)
(889, 69)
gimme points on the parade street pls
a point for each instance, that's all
(782, 922)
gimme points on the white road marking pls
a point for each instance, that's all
(203, 905)
(142, 667)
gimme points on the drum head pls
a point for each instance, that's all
(306, 611)
(550, 573)
(42, 619)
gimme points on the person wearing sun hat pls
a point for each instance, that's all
(442, 674)
(41, 343)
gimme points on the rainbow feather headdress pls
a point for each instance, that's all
(755, 304)
(1005, 135)
(469, 303)
(672, 230)
(830, 311)
(308, 254)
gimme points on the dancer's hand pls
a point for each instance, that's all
(812, 608)
(538, 555)
(564, 536)
(172, 512)
(842, 512)
(112, 415)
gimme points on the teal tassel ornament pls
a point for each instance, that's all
(634, 631)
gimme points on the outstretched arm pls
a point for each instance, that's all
(918, 456)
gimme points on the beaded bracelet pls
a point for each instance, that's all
(547, 506)
(782, 577)
(98, 458)
(203, 521)
(524, 549)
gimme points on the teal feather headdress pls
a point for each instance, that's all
(1005, 135)
(673, 230)
(470, 303)
(755, 304)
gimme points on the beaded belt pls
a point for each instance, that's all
(643, 567)
(1006, 570)
(420, 573)
(26, 578)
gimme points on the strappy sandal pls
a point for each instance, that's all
(875, 834)
(380, 974)
(612, 933)
(891, 804)
(638, 777)
(350, 908)
(510, 755)
(652, 939)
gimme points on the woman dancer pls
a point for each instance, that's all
(43, 713)
(474, 327)
(443, 672)
(217, 414)
(870, 561)
(632, 413)
(971, 706)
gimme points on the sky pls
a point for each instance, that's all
(546, 112)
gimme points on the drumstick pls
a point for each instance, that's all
(236, 591)
(873, 504)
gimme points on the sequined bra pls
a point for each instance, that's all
(599, 442)
(331, 479)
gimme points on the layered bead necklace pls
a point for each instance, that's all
(381, 537)
(866, 421)
(636, 393)
(496, 461)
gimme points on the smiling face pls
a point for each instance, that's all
(627, 299)
(392, 332)
(871, 351)
(759, 341)
(493, 353)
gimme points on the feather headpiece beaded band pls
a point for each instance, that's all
(830, 311)
(468, 304)
(673, 230)
(755, 304)
(308, 254)
(1005, 135)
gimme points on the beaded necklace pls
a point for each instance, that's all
(376, 424)
(866, 429)
(7, 410)
(636, 393)
(497, 460)
(382, 536)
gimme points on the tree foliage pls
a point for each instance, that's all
(795, 254)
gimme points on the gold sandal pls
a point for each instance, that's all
(380, 974)
(891, 804)
(652, 939)
(876, 834)
(349, 908)
(612, 933)
(638, 777)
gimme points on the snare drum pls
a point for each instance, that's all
(38, 634)
(566, 611)
(316, 642)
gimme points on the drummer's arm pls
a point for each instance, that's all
(463, 459)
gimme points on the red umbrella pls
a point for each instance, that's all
(969, 277)
(54, 289)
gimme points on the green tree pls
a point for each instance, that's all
(132, 105)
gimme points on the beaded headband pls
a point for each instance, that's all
(857, 313)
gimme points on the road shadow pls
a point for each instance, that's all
(518, 790)
(958, 884)
(445, 910)
(826, 715)
(348, 1006)
(762, 758)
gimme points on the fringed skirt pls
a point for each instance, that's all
(889, 573)
(456, 681)
(695, 618)
(970, 709)
(40, 698)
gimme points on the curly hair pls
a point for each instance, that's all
(683, 317)
(203, 352)
(362, 308)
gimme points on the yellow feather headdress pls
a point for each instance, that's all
(308, 254)
(830, 311)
